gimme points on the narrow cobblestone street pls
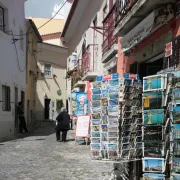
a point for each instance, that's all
(40, 157)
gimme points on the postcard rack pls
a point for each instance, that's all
(153, 130)
(105, 118)
(131, 119)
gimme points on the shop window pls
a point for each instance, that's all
(47, 70)
(6, 98)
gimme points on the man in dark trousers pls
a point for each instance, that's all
(22, 122)
(63, 120)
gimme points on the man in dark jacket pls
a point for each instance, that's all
(22, 122)
(63, 120)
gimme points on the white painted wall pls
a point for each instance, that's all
(9, 70)
(54, 42)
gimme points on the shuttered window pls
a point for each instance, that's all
(6, 98)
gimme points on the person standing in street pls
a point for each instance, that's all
(63, 120)
(22, 122)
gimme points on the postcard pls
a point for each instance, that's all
(95, 128)
(96, 97)
(114, 96)
(126, 128)
(176, 165)
(176, 95)
(112, 155)
(113, 102)
(95, 140)
(113, 134)
(104, 85)
(176, 149)
(125, 146)
(105, 93)
(125, 154)
(104, 136)
(112, 147)
(113, 109)
(96, 84)
(138, 145)
(113, 128)
(104, 102)
(104, 154)
(113, 121)
(113, 140)
(95, 146)
(95, 122)
(104, 119)
(153, 165)
(104, 110)
(96, 103)
(104, 145)
(176, 131)
(176, 176)
(128, 82)
(114, 82)
(95, 134)
(113, 89)
(104, 128)
(96, 116)
(96, 110)
(152, 176)
(96, 91)
(176, 114)
(125, 140)
(153, 117)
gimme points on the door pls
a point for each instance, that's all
(22, 98)
(15, 107)
(28, 111)
(47, 108)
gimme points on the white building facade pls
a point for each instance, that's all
(13, 63)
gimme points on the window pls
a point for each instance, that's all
(6, 98)
(47, 70)
(2, 26)
(21, 40)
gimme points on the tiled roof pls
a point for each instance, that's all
(46, 37)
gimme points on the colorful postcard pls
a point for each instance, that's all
(152, 176)
(104, 119)
(176, 131)
(176, 95)
(96, 103)
(95, 146)
(104, 102)
(113, 121)
(125, 140)
(113, 134)
(176, 176)
(96, 116)
(113, 89)
(113, 140)
(95, 128)
(96, 97)
(176, 114)
(153, 117)
(112, 147)
(96, 84)
(113, 102)
(95, 134)
(155, 165)
(124, 154)
(104, 145)
(105, 93)
(104, 136)
(113, 109)
(112, 155)
(153, 100)
(96, 91)
(104, 128)
(95, 140)
(104, 85)
(104, 110)
(125, 146)
(126, 128)
(114, 82)
(114, 96)
(113, 128)
(176, 165)
(104, 154)
(128, 82)
(95, 122)
(96, 110)
(176, 150)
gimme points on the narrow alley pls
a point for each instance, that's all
(39, 156)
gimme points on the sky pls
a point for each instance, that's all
(45, 8)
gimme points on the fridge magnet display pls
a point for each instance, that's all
(96, 97)
(176, 165)
(95, 128)
(96, 91)
(95, 122)
(154, 165)
(153, 117)
(95, 134)
(153, 176)
(95, 146)
(176, 131)
(96, 84)
(176, 95)
(176, 114)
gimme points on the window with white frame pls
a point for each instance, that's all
(6, 98)
(47, 70)
(2, 25)
(21, 40)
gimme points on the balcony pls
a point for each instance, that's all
(128, 13)
(88, 63)
(110, 44)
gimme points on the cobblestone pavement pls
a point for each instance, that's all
(40, 157)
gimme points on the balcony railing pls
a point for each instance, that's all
(88, 57)
(108, 25)
(122, 8)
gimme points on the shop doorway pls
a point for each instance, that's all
(46, 108)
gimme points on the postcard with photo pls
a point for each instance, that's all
(153, 117)
(114, 96)
(126, 146)
(138, 145)
(104, 85)
(95, 140)
(96, 91)
(176, 176)
(96, 103)
(104, 110)
(104, 119)
(151, 176)
(96, 116)
(138, 139)
(155, 165)
(126, 133)
(104, 145)
(112, 147)
(176, 95)
(153, 100)
(176, 165)
(113, 109)
(96, 110)
(112, 155)
(127, 115)
(113, 140)
(96, 84)
(176, 114)
(104, 128)
(113, 128)
(125, 140)
(176, 150)
(104, 102)
(95, 122)
(114, 82)
(113, 102)
(113, 134)
(128, 82)
(126, 128)
(113, 90)
(113, 121)
(104, 154)
(176, 131)
(104, 136)
(95, 128)
(104, 93)
(124, 154)
(95, 146)
(96, 97)
(95, 134)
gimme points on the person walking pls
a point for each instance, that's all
(22, 122)
(63, 120)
